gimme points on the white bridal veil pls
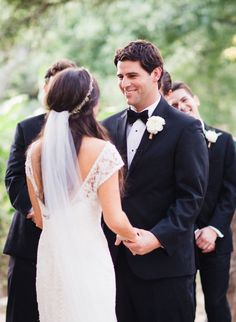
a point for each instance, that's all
(61, 182)
(60, 170)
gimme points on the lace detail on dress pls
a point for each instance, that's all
(30, 175)
(108, 162)
(29, 170)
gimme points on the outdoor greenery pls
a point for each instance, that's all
(197, 40)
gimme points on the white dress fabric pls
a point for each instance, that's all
(75, 274)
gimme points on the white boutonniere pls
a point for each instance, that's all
(154, 125)
(211, 136)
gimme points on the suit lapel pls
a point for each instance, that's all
(121, 136)
(145, 141)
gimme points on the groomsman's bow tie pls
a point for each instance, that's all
(133, 116)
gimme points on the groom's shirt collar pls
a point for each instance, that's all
(150, 108)
(136, 131)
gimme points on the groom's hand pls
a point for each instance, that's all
(146, 243)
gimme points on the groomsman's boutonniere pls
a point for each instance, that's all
(154, 125)
(211, 136)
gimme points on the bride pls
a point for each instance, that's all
(72, 175)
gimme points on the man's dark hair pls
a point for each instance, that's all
(143, 51)
(58, 67)
(181, 85)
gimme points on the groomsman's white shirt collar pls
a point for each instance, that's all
(219, 233)
(135, 132)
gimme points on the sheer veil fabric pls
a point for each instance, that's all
(61, 182)
(60, 171)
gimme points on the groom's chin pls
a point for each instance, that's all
(129, 101)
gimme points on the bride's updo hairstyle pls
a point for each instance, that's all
(75, 90)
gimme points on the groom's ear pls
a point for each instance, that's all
(156, 73)
(196, 100)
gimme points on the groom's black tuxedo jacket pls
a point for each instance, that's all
(23, 236)
(165, 186)
(220, 200)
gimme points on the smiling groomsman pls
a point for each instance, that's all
(213, 234)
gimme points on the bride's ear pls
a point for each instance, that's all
(96, 110)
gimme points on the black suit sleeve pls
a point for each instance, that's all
(226, 203)
(15, 179)
(191, 176)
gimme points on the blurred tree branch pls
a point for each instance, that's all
(21, 14)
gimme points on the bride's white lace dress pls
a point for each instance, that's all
(75, 275)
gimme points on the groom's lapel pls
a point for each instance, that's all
(145, 141)
(121, 136)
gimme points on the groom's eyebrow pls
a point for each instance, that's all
(131, 74)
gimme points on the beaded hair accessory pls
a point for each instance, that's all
(78, 108)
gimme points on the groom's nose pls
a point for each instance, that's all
(125, 82)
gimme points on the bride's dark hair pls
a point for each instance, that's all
(76, 91)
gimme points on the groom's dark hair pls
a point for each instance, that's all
(143, 51)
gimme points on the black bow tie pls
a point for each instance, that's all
(133, 116)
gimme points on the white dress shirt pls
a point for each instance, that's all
(135, 132)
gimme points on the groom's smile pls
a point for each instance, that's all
(138, 86)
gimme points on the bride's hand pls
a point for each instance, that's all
(120, 239)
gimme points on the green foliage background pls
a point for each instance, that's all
(197, 40)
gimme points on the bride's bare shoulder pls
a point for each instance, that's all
(92, 145)
(89, 152)
(35, 148)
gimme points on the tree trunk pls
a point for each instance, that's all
(232, 281)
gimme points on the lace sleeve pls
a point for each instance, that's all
(110, 162)
(106, 165)
(29, 169)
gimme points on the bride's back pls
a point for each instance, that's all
(89, 151)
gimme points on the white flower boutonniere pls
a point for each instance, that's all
(154, 125)
(211, 136)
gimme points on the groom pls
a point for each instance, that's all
(166, 177)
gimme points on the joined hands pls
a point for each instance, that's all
(144, 243)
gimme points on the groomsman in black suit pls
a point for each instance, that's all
(213, 234)
(23, 236)
(166, 171)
